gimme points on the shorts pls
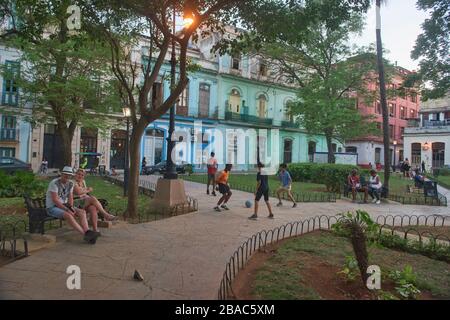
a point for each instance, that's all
(223, 188)
(211, 176)
(284, 189)
(261, 193)
(56, 212)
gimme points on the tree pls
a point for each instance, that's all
(383, 96)
(150, 20)
(63, 74)
(316, 58)
(433, 47)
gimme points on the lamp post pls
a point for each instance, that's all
(395, 151)
(171, 172)
(126, 113)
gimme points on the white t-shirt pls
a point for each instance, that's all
(63, 191)
(373, 182)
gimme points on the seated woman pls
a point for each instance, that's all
(355, 185)
(89, 202)
(375, 187)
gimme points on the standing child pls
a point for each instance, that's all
(262, 189)
(286, 185)
(224, 188)
(212, 169)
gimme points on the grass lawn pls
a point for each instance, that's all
(13, 209)
(444, 181)
(307, 268)
(398, 185)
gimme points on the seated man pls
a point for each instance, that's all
(59, 203)
(375, 187)
(354, 183)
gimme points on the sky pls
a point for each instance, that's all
(401, 24)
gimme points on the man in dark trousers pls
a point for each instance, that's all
(262, 189)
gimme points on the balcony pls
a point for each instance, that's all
(436, 123)
(9, 135)
(289, 124)
(240, 117)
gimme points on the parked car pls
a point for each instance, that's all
(161, 167)
(10, 165)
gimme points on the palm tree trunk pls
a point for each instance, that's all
(383, 100)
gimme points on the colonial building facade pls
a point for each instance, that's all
(370, 149)
(228, 95)
(427, 139)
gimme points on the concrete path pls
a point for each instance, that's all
(180, 258)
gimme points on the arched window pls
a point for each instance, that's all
(262, 106)
(287, 115)
(234, 103)
(287, 151)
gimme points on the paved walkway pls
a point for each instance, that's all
(180, 258)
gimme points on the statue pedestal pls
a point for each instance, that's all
(169, 193)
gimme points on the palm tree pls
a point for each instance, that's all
(383, 100)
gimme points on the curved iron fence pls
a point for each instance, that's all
(263, 238)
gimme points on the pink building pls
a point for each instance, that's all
(370, 149)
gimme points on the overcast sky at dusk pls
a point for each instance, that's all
(401, 24)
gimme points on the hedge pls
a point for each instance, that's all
(19, 184)
(332, 175)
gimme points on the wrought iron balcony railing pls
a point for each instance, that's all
(9, 134)
(240, 117)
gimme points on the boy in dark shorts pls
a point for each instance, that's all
(224, 188)
(262, 189)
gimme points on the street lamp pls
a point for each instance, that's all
(395, 151)
(171, 172)
(126, 113)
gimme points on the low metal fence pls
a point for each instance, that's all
(293, 229)
(13, 245)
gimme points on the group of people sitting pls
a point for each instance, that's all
(67, 199)
(373, 187)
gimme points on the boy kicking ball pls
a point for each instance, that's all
(224, 189)
(286, 185)
(262, 189)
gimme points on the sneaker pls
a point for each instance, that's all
(214, 193)
(295, 205)
(217, 209)
(378, 202)
(90, 237)
(97, 233)
(207, 191)
(271, 216)
(374, 200)
(279, 204)
(225, 207)
(253, 217)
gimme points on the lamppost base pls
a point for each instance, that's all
(169, 193)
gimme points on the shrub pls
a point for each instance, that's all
(332, 175)
(19, 184)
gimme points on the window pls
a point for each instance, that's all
(413, 114)
(403, 112)
(414, 97)
(262, 69)
(377, 155)
(438, 154)
(8, 129)
(203, 100)
(287, 116)
(88, 140)
(378, 107)
(262, 106)
(351, 149)
(392, 109)
(416, 154)
(183, 102)
(287, 158)
(311, 150)
(392, 131)
(7, 152)
(235, 62)
(10, 94)
(402, 131)
(235, 101)
(334, 147)
(8, 122)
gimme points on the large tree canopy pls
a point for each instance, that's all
(433, 49)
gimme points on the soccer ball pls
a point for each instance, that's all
(248, 204)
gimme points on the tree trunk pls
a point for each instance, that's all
(66, 137)
(331, 156)
(358, 240)
(383, 100)
(133, 176)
